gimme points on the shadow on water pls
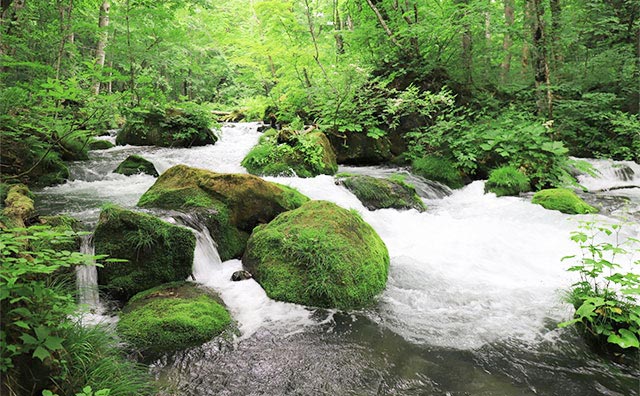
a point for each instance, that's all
(352, 355)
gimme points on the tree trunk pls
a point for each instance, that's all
(384, 24)
(467, 43)
(507, 42)
(556, 15)
(541, 60)
(526, 53)
(103, 22)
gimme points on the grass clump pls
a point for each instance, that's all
(562, 199)
(438, 169)
(156, 251)
(172, 317)
(319, 255)
(375, 193)
(507, 180)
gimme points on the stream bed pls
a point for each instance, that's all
(471, 307)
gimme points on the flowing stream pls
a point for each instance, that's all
(474, 295)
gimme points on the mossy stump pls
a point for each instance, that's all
(376, 193)
(507, 180)
(289, 153)
(172, 317)
(135, 164)
(156, 252)
(18, 205)
(231, 205)
(319, 255)
(562, 199)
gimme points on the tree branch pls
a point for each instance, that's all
(384, 24)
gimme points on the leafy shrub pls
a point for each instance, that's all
(438, 169)
(606, 297)
(507, 180)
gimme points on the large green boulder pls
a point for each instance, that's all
(99, 144)
(507, 180)
(135, 164)
(156, 251)
(172, 317)
(185, 125)
(230, 205)
(290, 153)
(319, 255)
(562, 199)
(376, 193)
(360, 149)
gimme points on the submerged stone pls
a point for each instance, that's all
(135, 164)
(562, 199)
(241, 275)
(156, 251)
(172, 317)
(319, 255)
(230, 205)
(376, 193)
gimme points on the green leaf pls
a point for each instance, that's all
(41, 353)
(28, 339)
(626, 339)
(53, 343)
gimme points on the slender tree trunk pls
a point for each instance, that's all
(384, 24)
(467, 43)
(526, 52)
(542, 73)
(338, 26)
(507, 42)
(103, 22)
(556, 15)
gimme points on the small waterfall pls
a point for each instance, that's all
(87, 278)
(611, 175)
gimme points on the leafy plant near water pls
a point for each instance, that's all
(42, 348)
(606, 297)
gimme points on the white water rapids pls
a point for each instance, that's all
(471, 270)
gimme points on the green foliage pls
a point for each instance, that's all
(154, 252)
(375, 193)
(439, 169)
(319, 255)
(562, 199)
(606, 297)
(172, 317)
(507, 180)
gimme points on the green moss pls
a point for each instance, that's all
(156, 251)
(230, 204)
(319, 255)
(375, 193)
(172, 317)
(305, 155)
(100, 145)
(507, 180)
(439, 169)
(18, 205)
(562, 199)
(135, 164)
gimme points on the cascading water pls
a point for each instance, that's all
(471, 306)
(87, 277)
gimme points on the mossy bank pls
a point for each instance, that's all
(319, 255)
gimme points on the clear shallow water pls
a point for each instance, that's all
(471, 306)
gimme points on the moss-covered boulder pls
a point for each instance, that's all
(99, 144)
(360, 149)
(438, 169)
(182, 125)
(18, 206)
(285, 154)
(135, 164)
(564, 200)
(231, 205)
(319, 255)
(376, 193)
(172, 317)
(507, 180)
(156, 251)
